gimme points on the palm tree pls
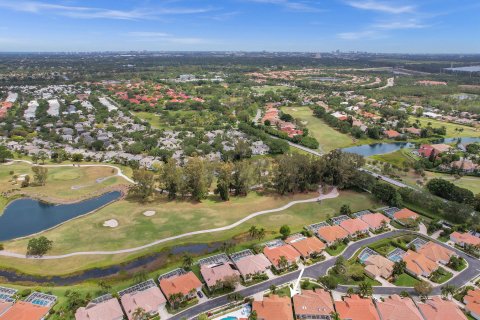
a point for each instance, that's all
(261, 234)
(448, 291)
(399, 267)
(253, 232)
(273, 288)
(335, 316)
(282, 262)
(139, 314)
(365, 289)
(187, 261)
(350, 291)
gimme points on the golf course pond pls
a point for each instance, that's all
(25, 216)
(367, 150)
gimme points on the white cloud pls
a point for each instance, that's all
(303, 6)
(370, 34)
(389, 7)
(400, 25)
(96, 13)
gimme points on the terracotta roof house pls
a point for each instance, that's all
(151, 300)
(313, 304)
(22, 310)
(355, 226)
(287, 251)
(418, 264)
(186, 284)
(391, 134)
(405, 214)
(252, 265)
(106, 310)
(214, 275)
(466, 165)
(414, 131)
(306, 246)
(396, 308)
(441, 148)
(356, 308)
(273, 308)
(375, 220)
(464, 238)
(4, 306)
(378, 266)
(330, 234)
(472, 303)
(439, 309)
(436, 252)
(426, 150)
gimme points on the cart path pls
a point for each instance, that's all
(332, 194)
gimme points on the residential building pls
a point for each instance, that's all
(354, 227)
(378, 266)
(306, 246)
(472, 303)
(391, 134)
(331, 234)
(439, 309)
(313, 304)
(274, 255)
(273, 308)
(418, 264)
(214, 275)
(252, 265)
(396, 308)
(356, 308)
(463, 239)
(146, 296)
(405, 214)
(186, 284)
(4, 306)
(375, 220)
(22, 310)
(108, 309)
(436, 252)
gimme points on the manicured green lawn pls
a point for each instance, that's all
(441, 275)
(467, 182)
(397, 158)
(152, 118)
(451, 133)
(263, 89)
(405, 280)
(339, 249)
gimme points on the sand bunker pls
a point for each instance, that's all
(112, 223)
(149, 213)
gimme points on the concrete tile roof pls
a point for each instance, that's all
(332, 233)
(22, 310)
(273, 308)
(317, 303)
(149, 300)
(253, 264)
(439, 309)
(214, 274)
(274, 254)
(472, 301)
(405, 214)
(375, 220)
(4, 306)
(436, 252)
(352, 226)
(308, 246)
(419, 264)
(465, 238)
(107, 310)
(356, 308)
(379, 266)
(396, 308)
(184, 284)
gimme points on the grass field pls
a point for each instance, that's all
(328, 137)
(151, 118)
(467, 182)
(397, 158)
(405, 280)
(171, 219)
(263, 89)
(451, 133)
(64, 184)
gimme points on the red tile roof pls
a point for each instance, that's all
(439, 309)
(307, 246)
(356, 308)
(353, 226)
(180, 284)
(25, 311)
(332, 233)
(274, 254)
(273, 308)
(313, 303)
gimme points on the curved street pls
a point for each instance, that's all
(320, 269)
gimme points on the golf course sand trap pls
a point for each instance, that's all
(112, 223)
(149, 213)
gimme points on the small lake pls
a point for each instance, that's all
(24, 217)
(367, 150)
(465, 69)
(325, 79)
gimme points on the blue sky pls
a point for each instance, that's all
(406, 26)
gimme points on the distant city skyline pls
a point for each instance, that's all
(404, 26)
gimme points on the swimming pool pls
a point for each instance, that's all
(230, 318)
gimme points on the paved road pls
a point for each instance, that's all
(321, 268)
(332, 194)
